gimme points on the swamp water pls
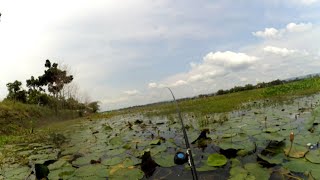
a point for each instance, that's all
(252, 143)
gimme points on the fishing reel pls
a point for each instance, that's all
(181, 158)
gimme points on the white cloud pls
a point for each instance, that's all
(131, 92)
(268, 33)
(213, 65)
(279, 51)
(152, 85)
(293, 27)
(179, 83)
(273, 33)
(229, 59)
(308, 2)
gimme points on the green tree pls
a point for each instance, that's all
(16, 93)
(54, 78)
(94, 106)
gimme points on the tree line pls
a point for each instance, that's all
(48, 90)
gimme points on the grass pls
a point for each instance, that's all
(16, 118)
(232, 101)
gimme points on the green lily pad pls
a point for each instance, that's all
(273, 137)
(205, 168)
(257, 171)
(155, 142)
(121, 173)
(132, 161)
(158, 149)
(238, 173)
(300, 165)
(58, 164)
(115, 152)
(216, 160)
(277, 159)
(314, 156)
(62, 173)
(164, 160)
(116, 141)
(91, 170)
(272, 129)
(296, 151)
(18, 172)
(112, 161)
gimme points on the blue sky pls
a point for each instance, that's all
(124, 53)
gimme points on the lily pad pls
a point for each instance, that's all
(277, 159)
(216, 160)
(205, 168)
(314, 156)
(164, 160)
(238, 173)
(296, 151)
(155, 142)
(300, 165)
(120, 172)
(257, 171)
(112, 161)
(91, 170)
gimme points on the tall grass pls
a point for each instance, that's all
(16, 117)
(233, 101)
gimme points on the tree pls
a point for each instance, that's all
(16, 93)
(94, 106)
(54, 78)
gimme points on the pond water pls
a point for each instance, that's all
(254, 143)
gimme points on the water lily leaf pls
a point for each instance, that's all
(81, 161)
(314, 156)
(238, 173)
(58, 164)
(228, 135)
(216, 160)
(257, 171)
(120, 172)
(297, 151)
(252, 132)
(19, 173)
(273, 137)
(132, 161)
(155, 142)
(272, 129)
(205, 168)
(158, 149)
(315, 173)
(62, 173)
(116, 141)
(300, 165)
(91, 170)
(277, 159)
(112, 161)
(115, 152)
(164, 160)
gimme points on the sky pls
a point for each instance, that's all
(125, 53)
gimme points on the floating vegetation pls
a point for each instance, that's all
(259, 141)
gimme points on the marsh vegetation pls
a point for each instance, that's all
(268, 133)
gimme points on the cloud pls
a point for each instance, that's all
(272, 33)
(268, 33)
(293, 27)
(131, 92)
(152, 85)
(229, 60)
(279, 51)
(307, 2)
(213, 65)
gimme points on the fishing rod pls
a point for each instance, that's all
(180, 158)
